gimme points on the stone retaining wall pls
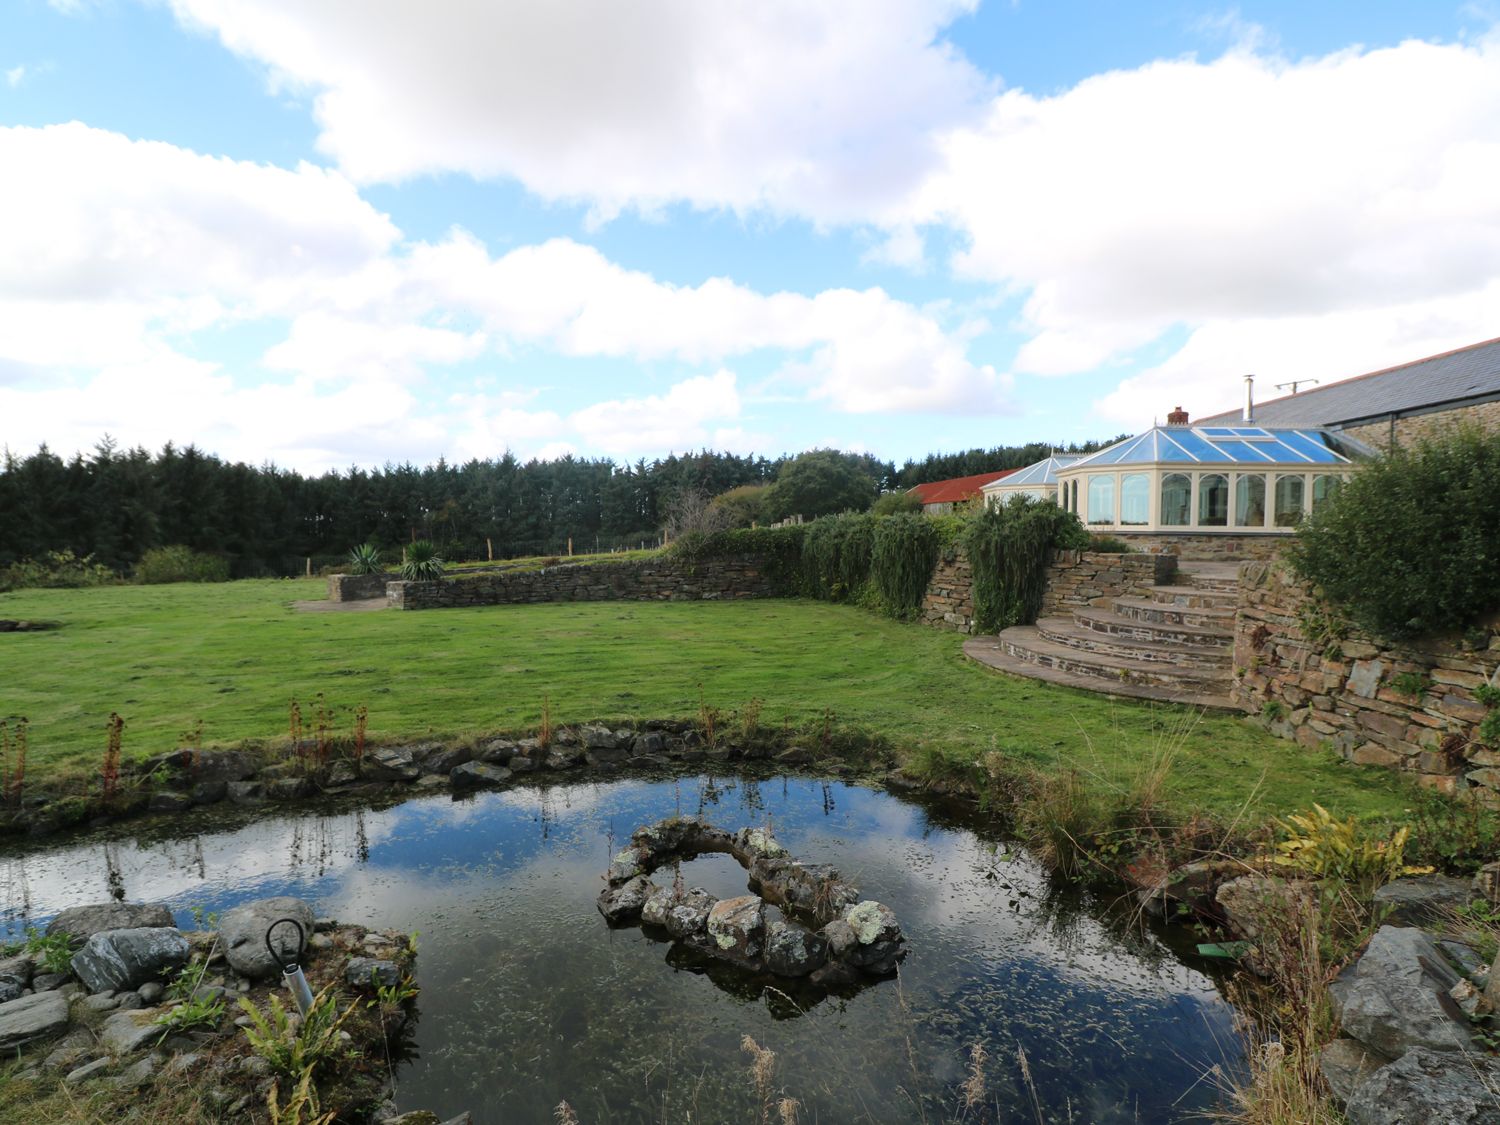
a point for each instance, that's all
(1340, 691)
(356, 587)
(949, 601)
(1204, 546)
(1080, 579)
(648, 580)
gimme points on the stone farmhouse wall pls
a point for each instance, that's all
(648, 580)
(356, 587)
(1415, 427)
(1342, 693)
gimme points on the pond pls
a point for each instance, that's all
(1085, 1013)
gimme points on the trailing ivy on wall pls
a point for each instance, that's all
(836, 556)
(1007, 549)
(901, 564)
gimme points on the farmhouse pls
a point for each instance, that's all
(1396, 404)
(940, 496)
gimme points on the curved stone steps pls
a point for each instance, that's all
(1025, 642)
(1066, 631)
(1161, 613)
(1118, 625)
(989, 652)
(1194, 597)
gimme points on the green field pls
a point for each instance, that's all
(232, 656)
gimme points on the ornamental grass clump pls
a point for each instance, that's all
(903, 555)
(1410, 545)
(1008, 548)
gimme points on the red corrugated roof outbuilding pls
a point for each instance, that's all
(957, 490)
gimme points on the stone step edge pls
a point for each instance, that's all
(1064, 631)
(1188, 636)
(987, 651)
(1025, 639)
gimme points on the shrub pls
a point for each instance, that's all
(1008, 548)
(180, 564)
(1319, 845)
(778, 548)
(819, 483)
(365, 559)
(1411, 544)
(902, 558)
(836, 556)
(1108, 545)
(55, 570)
(421, 562)
(893, 503)
(744, 506)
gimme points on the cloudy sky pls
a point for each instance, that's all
(329, 232)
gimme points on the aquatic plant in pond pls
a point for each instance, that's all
(527, 1001)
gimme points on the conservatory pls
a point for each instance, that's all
(1038, 480)
(1208, 479)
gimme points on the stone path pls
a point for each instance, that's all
(1173, 646)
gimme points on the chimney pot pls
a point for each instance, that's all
(1249, 398)
(1178, 417)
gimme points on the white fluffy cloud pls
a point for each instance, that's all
(1232, 197)
(824, 109)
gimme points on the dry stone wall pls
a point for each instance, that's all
(1080, 579)
(356, 587)
(1206, 546)
(949, 600)
(1348, 692)
(649, 580)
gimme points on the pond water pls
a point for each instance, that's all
(529, 999)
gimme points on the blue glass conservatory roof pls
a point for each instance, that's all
(1041, 473)
(1225, 445)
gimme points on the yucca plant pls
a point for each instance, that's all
(421, 562)
(365, 559)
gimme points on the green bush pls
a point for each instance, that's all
(1008, 548)
(1411, 544)
(893, 503)
(820, 483)
(836, 556)
(1108, 545)
(180, 564)
(55, 570)
(779, 549)
(904, 554)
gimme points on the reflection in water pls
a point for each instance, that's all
(528, 998)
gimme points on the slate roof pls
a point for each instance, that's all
(1221, 445)
(1466, 374)
(956, 490)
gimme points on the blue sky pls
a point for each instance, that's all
(326, 232)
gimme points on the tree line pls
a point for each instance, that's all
(115, 504)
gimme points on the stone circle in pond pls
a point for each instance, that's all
(830, 936)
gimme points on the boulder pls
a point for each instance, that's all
(627, 864)
(792, 951)
(652, 742)
(1396, 996)
(361, 971)
(1492, 985)
(689, 914)
(477, 775)
(169, 802)
(189, 767)
(242, 934)
(390, 763)
(32, 1017)
(15, 976)
(737, 927)
(340, 774)
(208, 792)
(246, 792)
(446, 761)
(87, 1071)
(1251, 903)
(654, 912)
(121, 959)
(1423, 899)
(596, 737)
(83, 922)
(498, 750)
(522, 764)
(1345, 1063)
(624, 903)
(124, 1032)
(1429, 1087)
(287, 788)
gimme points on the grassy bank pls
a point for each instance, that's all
(231, 656)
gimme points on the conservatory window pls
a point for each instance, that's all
(1250, 501)
(1176, 500)
(1135, 499)
(1102, 498)
(1322, 490)
(1289, 491)
(1213, 500)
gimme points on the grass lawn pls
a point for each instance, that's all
(233, 655)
